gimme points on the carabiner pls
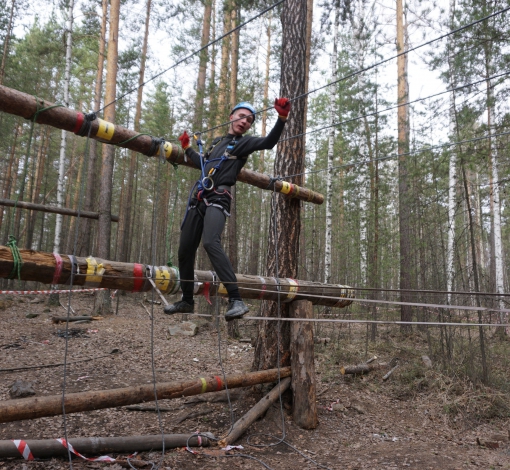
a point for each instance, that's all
(205, 183)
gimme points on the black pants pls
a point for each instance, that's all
(206, 223)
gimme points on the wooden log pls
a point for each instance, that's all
(363, 368)
(37, 407)
(96, 446)
(40, 266)
(387, 376)
(53, 209)
(25, 105)
(304, 412)
(255, 413)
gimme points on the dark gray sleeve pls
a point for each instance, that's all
(194, 156)
(252, 144)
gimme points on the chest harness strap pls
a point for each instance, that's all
(206, 182)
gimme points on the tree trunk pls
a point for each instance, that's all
(85, 241)
(283, 251)
(404, 202)
(106, 182)
(222, 107)
(126, 209)
(233, 326)
(331, 148)
(6, 42)
(202, 67)
(452, 165)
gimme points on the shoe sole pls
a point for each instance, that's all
(236, 316)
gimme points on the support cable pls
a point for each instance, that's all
(375, 113)
(376, 64)
(397, 155)
(184, 59)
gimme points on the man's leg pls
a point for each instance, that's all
(214, 223)
(191, 233)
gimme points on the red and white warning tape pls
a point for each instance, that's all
(24, 450)
(63, 291)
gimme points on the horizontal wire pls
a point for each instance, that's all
(192, 54)
(358, 72)
(392, 302)
(328, 286)
(396, 155)
(380, 322)
(375, 113)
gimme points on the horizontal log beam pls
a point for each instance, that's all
(26, 106)
(53, 209)
(40, 266)
(38, 407)
(95, 446)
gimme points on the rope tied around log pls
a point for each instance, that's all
(85, 124)
(16, 256)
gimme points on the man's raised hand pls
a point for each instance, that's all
(282, 105)
(184, 138)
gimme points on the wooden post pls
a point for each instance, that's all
(303, 368)
(255, 413)
(37, 407)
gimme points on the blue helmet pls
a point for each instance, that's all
(244, 105)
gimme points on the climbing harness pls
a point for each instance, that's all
(206, 182)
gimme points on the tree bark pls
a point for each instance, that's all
(404, 202)
(283, 248)
(126, 209)
(222, 107)
(63, 138)
(85, 241)
(6, 42)
(103, 305)
(202, 67)
(304, 411)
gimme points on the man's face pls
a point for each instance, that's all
(240, 121)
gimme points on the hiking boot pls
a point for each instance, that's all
(179, 307)
(236, 309)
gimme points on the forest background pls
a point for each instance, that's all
(415, 184)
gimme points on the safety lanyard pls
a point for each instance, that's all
(206, 182)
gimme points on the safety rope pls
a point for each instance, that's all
(16, 256)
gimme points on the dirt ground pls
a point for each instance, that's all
(371, 425)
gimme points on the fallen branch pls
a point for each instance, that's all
(255, 413)
(113, 351)
(37, 407)
(387, 376)
(195, 414)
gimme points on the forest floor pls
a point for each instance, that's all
(418, 418)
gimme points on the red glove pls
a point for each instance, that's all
(282, 105)
(184, 138)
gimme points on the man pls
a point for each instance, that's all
(209, 205)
